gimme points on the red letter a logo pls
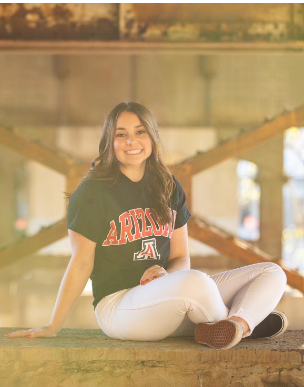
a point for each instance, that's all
(149, 251)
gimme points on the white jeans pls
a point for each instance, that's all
(172, 305)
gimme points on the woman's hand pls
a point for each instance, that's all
(45, 331)
(152, 273)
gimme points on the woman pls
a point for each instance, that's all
(127, 223)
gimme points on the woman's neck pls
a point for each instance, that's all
(133, 173)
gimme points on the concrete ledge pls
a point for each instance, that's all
(86, 357)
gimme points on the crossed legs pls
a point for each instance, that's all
(172, 305)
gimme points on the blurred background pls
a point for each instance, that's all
(208, 72)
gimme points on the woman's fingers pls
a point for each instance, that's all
(148, 280)
(145, 281)
(153, 270)
(155, 273)
(45, 331)
(18, 333)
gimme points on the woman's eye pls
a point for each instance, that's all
(122, 134)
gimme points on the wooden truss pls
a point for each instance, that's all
(198, 229)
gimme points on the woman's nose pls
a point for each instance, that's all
(130, 140)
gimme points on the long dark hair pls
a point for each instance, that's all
(158, 176)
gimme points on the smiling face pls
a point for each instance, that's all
(132, 144)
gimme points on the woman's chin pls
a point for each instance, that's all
(134, 163)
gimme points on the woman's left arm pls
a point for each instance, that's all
(179, 252)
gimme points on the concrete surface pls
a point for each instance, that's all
(86, 357)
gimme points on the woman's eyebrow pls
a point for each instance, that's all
(138, 126)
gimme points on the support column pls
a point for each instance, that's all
(271, 212)
(271, 180)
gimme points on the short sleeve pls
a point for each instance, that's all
(84, 213)
(182, 212)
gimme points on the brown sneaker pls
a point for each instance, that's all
(274, 325)
(223, 334)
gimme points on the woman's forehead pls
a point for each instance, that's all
(127, 118)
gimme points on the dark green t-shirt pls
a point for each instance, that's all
(128, 238)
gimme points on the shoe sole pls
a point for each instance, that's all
(223, 334)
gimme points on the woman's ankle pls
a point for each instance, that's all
(240, 321)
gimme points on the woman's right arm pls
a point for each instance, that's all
(74, 280)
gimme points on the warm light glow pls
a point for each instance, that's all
(292, 233)
(250, 222)
(21, 224)
(248, 195)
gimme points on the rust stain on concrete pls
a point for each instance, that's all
(212, 12)
(211, 22)
(161, 22)
(59, 21)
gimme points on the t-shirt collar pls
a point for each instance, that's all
(122, 178)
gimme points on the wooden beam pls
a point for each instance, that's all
(238, 249)
(75, 176)
(35, 151)
(183, 176)
(243, 142)
(77, 47)
(46, 236)
(82, 169)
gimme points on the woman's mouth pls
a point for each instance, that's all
(134, 152)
